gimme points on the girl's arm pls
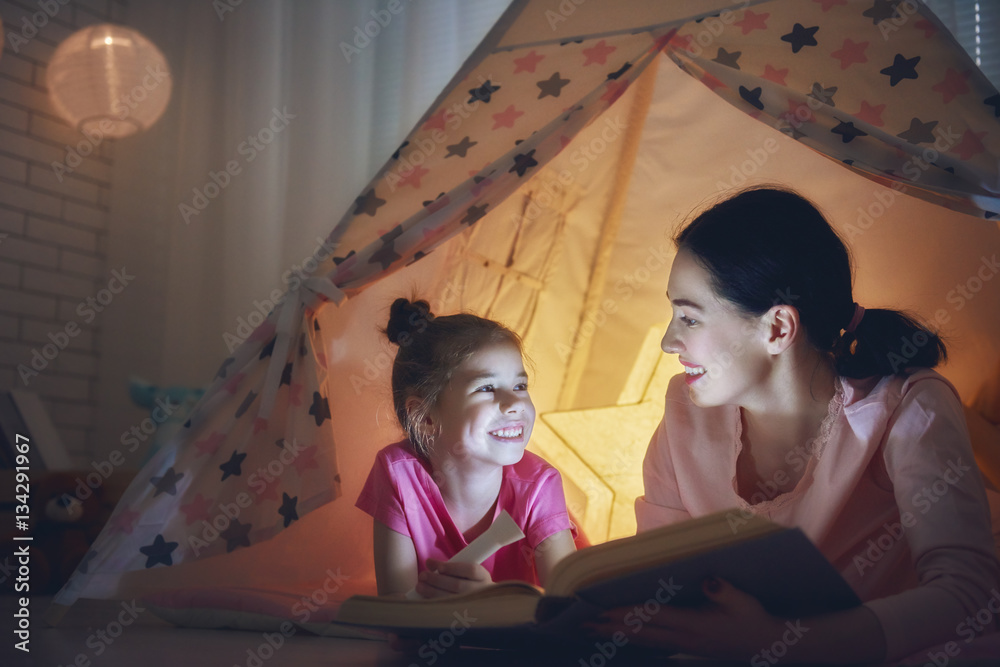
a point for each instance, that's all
(550, 551)
(395, 561)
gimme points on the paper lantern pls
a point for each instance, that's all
(110, 80)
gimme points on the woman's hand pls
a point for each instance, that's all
(443, 578)
(731, 625)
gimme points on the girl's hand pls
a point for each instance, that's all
(731, 625)
(442, 578)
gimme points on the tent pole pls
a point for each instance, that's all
(609, 233)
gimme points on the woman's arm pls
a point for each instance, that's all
(550, 551)
(395, 561)
(942, 504)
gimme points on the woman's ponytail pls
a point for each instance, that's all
(887, 342)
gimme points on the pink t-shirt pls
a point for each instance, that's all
(890, 494)
(401, 493)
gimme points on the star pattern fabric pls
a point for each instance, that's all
(863, 83)
(848, 78)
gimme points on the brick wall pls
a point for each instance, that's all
(53, 225)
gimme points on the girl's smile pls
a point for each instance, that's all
(484, 415)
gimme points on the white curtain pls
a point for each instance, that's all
(281, 111)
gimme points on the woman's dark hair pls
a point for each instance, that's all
(767, 246)
(430, 350)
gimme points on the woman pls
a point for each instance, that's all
(800, 405)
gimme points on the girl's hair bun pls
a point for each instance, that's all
(407, 317)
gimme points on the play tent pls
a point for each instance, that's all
(541, 188)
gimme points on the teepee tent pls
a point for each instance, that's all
(541, 188)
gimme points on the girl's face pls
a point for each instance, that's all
(485, 414)
(721, 350)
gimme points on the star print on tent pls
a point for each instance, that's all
(473, 214)
(125, 521)
(320, 408)
(752, 96)
(232, 466)
(824, 95)
(199, 509)
(483, 93)
(436, 204)
(871, 114)
(368, 203)
(851, 53)
(551, 86)
(506, 118)
(954, 84)
(286, 374)
(523, 162)
(848, 132)
(881, 10)
(84, 565)
(267, 350)
(971, 144)
(438, 120)
(919, 132)
(830, 4)
(801, 36)
(598, 53)
(225, 365)
(527, 63)
(395, 155)
(158, 552)
(901, 68)
(412, 176)
(167, 483)
(209, 444)
(752, 21)
(728, 59)
(775, 75)
(461, 148)
(245, 405)
(618, 73)
(236, 534)
(287, 509)
(993, 101)
(386, 255)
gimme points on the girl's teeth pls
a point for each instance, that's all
(694, 371)
(508, 432)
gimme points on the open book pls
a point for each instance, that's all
(777, 565)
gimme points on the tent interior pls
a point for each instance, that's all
(575, 258)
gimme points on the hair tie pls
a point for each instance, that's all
(859, 312)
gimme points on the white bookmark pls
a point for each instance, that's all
(502, 532)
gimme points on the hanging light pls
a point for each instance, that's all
(109, 79)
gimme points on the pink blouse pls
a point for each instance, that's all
(890, 495)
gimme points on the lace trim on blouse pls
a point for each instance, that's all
(834, 409)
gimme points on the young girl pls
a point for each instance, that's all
(461, 395)
(801, 405)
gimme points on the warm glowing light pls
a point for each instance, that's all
(109, 81)
(599, 451)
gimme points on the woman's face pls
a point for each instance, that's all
(721, 349)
